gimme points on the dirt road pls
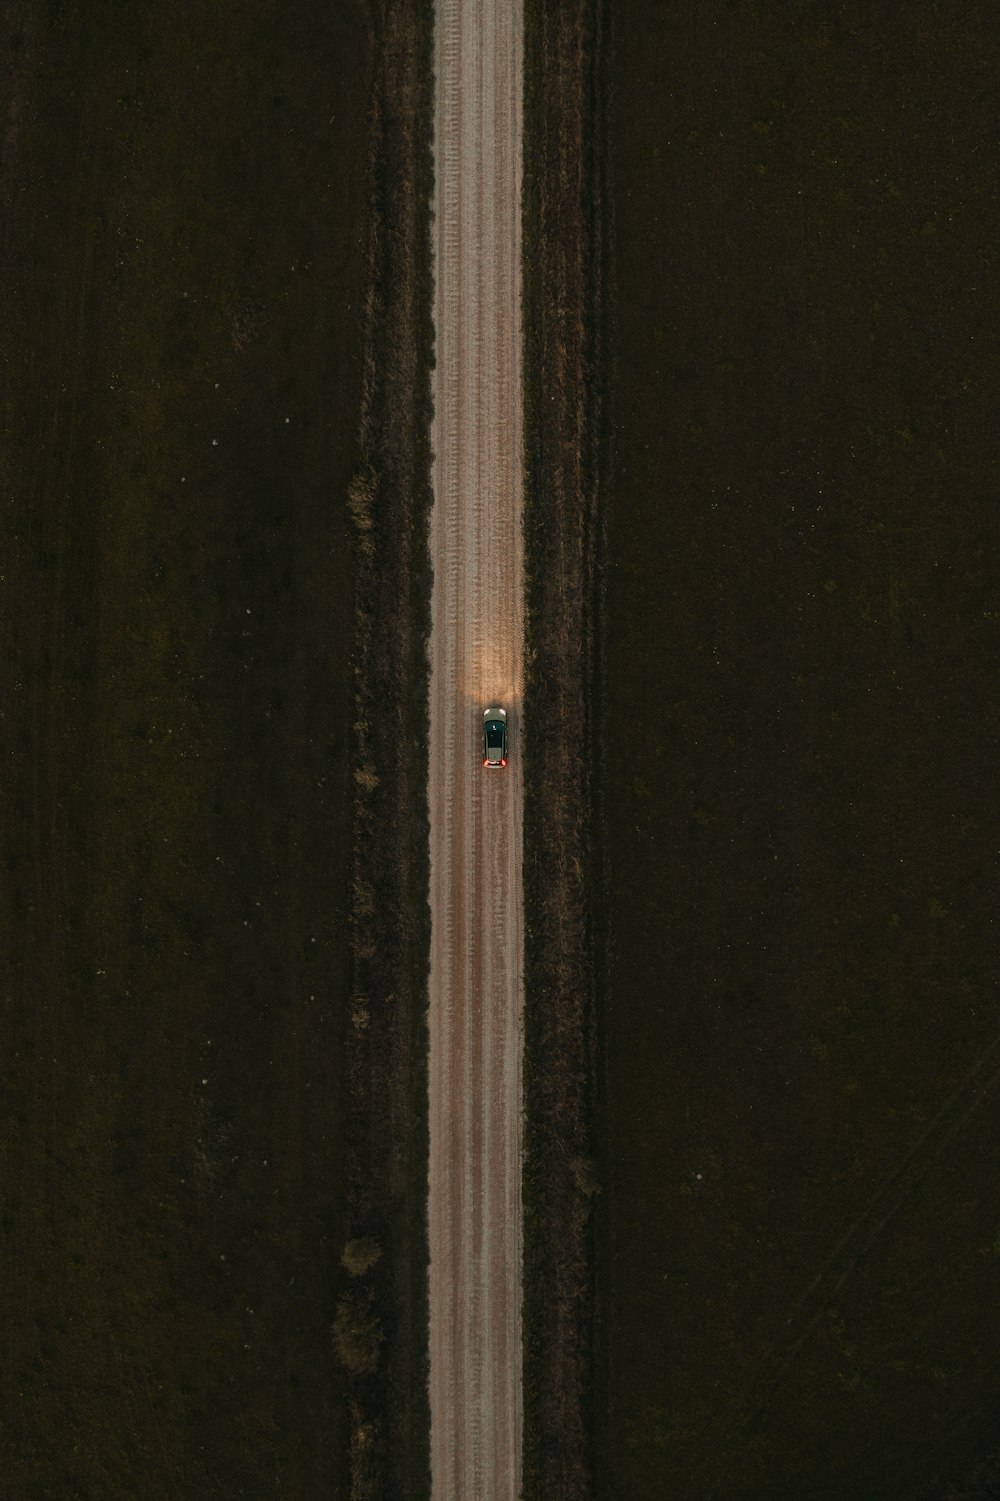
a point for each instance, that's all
(476, 815)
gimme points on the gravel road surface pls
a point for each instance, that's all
(476, 997)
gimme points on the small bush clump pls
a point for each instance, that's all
(361, 1255)
(357, 1333)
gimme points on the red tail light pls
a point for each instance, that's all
(486, 760)
(503, 761)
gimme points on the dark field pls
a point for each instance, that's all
(184, 194)
(800, 1115)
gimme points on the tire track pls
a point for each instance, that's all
(809, 1309)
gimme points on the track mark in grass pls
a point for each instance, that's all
(973, 1092)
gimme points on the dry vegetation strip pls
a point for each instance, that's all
(380, 1328)
(564, 248)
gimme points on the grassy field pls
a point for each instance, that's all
(184, 214)
(799, 1240)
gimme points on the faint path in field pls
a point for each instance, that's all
(806, 1314)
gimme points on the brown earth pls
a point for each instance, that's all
(800, 1127)
(184, 200)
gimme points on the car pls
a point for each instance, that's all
(495, 737)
